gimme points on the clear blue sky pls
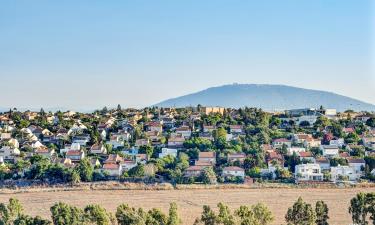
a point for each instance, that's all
(87, 54)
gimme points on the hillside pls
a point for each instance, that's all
(268, 97)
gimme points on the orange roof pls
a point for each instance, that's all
(111, 166)
(207, 154)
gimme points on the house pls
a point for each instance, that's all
(209, 129)
(194, 171)
(233, 171)
(207, 157)
(301, 138)
(279, 142)
(154, 126)
(308, 172)
(236, 129)
(323, 163)
(212, 110)
(275, 158)
(142, 142)
(168, 151)
(306, 156)
(292, 150)
(341, 173)
(236, 157)
(184, 131)
(126, 165)
(44, 151)
(141, 158)
(118, 139)
(98, 149)
(357, 164)
(132, 151)
(112, 169)
(81, 139)
(14, 143)
(338, 142)
(75, 155)
(5, 136)
(312, 143)
(73, 146)
(369, 142)
(176, 142)
(8, 153)
(330, 151)
(206, 136)
(113, 158)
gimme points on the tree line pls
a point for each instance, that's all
(362, 210)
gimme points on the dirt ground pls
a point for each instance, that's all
(190, 202)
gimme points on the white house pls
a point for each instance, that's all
(234, 171)
(112, 169)
(73, 146)
(279, 142)
(296, 150)
(184, 131)
(98, 149)
(344, 173)
(168, 151)
(8, 153)
(357, 164)
(308, 172)
(330, 150)
(338, 142)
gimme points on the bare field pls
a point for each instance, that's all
(190, 202)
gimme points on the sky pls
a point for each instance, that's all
(94, 53)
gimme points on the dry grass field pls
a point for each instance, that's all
(190, 202)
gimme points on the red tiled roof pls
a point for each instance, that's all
(233, 168)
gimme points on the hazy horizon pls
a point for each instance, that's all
(89, 54)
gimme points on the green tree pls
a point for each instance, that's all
(208, 216)
(300, 213)
(28, 220)
(96, 214)
(85, 170)
(63, 214)
(173, 218)
(156, 217)
(129, 216)
(225, 217)
(321, 210)
(257, 214)
(361, 206)
(138, 171)
(209, 176)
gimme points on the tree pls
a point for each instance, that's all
(85, 170)
(321, 210)
(257, 214)
(300, 213)
(28, 220)
(96, 214)
(209, 176)
(173, 218)
(138, 171)
(156, 217)
(371, 122)
(9, 213)
(360, 207)
(63, 214)
(225, 217)
(208, 216)
(129, 216)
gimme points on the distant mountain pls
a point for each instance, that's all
(267, 97)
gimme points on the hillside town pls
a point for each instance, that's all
(189, 145)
